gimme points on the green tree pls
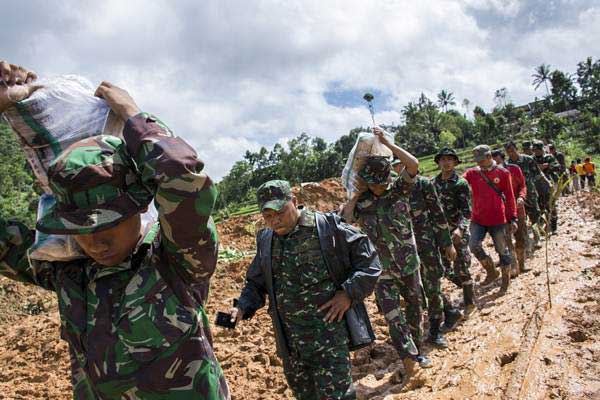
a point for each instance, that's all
(541, 75)
(18, 197)
(445, 99)
(447, 139)
(564, 92)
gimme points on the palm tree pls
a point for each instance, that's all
(446, 99)
(466, 103)
(542, 75)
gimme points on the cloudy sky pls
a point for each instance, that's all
(235, 75)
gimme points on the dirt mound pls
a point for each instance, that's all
(514, 347)
(323, 196)
(240, 232)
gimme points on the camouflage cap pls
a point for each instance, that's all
(526, 144)
(446, 151)
(376, 170)
(481, 152)
(538, 144)
(96, 186)
(273, 194)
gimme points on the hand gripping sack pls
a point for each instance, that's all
(367, 144)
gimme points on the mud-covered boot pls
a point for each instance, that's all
(435, 336)
(411, 367)
(521, 260)
(514, 268)
(452, 317)
(469, 299)
(505, 278)
(492, 273)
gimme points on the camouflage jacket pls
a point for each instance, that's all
(455, 197)
(357, 278)
(387, 221)
(553, 171)
(429, 222)
(530, 170)
(138, 330)
(302, 283)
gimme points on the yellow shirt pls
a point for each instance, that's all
(579, 169)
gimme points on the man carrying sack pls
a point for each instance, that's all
(132, 312)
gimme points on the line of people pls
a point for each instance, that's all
(414, 231)
(133, 310)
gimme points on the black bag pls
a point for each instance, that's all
(357, 318)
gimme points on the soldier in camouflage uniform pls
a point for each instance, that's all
(526, 147)
(562, 172)
(432, 235)
(383, 211)
(550, 169)
(532, 174)
(306, 305)
(133, 311)
(455, 197)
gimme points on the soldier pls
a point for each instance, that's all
(313, 268)
(526, 147)
(455, 197)
(132, 312)
(532, 174)
(432, 235)
(549, 167)
(384, 213)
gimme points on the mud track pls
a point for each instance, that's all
(514, 347)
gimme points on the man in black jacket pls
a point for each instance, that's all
(316, 271)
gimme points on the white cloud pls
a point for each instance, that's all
(232, 76)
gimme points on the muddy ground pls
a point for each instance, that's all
(515, 347)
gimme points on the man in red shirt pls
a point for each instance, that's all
(494, 207)
(520, 190)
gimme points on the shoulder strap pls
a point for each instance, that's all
(491, 184)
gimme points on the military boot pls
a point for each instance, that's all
(452, 317)
(505, 277)
(469, 299)
(435, 335)
(492, 273)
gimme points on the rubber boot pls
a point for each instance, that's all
(411, 367)
(492, 273)
(435, 336)
(505, 277)
(514, 268)
(452, 317)
(521, 260)
(469, 299)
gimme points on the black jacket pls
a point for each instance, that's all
(353, 266)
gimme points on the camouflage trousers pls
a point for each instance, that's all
(544, 196)
(458, 271)
(321, 374)
(406, 327)
(532, 207)
(432, 271)
(517, 248)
